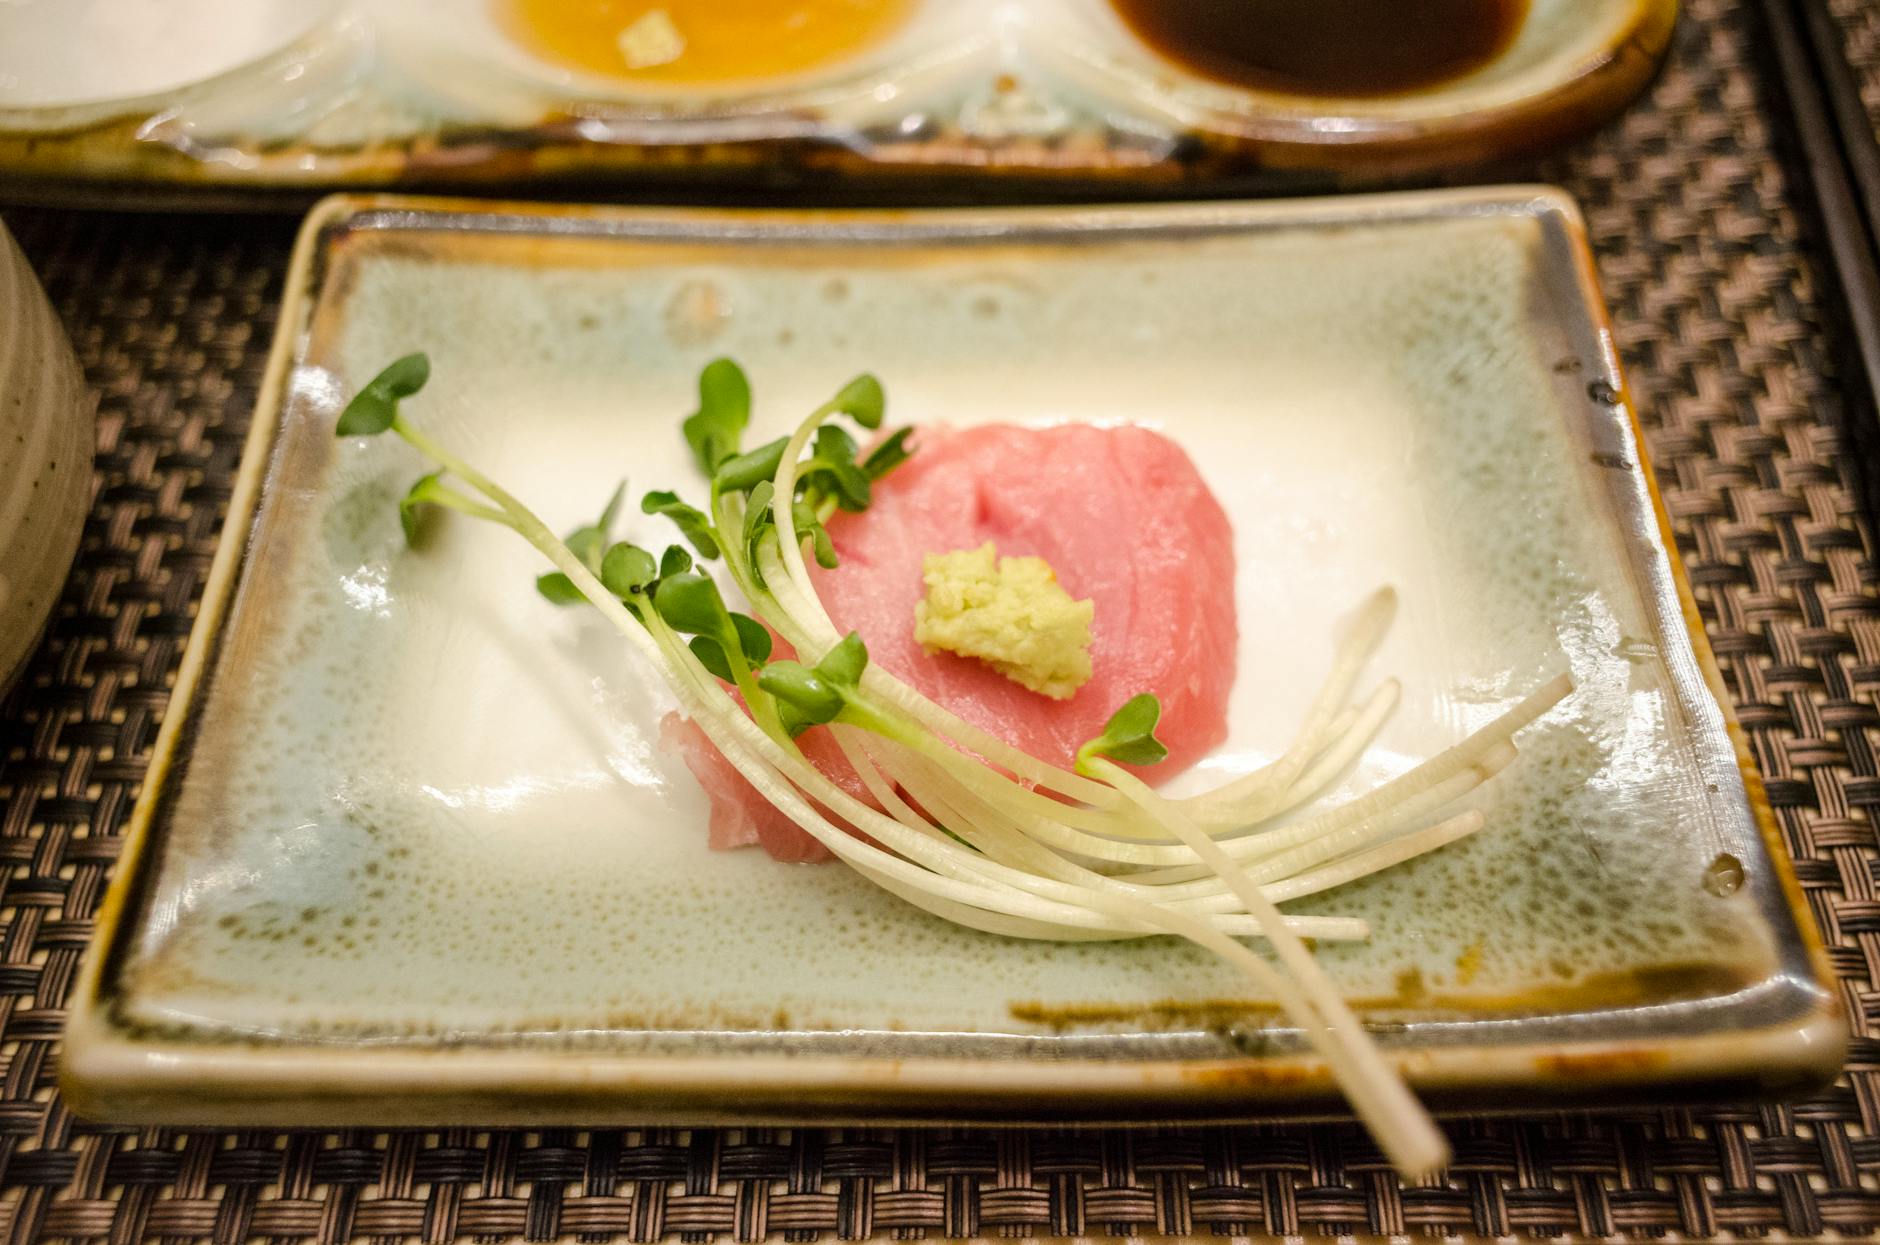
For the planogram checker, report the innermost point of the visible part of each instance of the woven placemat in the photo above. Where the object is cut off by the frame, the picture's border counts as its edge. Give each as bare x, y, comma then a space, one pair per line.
1719, 307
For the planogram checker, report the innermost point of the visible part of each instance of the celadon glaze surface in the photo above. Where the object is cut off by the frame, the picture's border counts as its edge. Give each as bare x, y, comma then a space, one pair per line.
414, 804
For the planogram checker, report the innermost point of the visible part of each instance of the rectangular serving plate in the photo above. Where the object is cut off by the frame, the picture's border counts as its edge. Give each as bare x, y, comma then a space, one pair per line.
409, 851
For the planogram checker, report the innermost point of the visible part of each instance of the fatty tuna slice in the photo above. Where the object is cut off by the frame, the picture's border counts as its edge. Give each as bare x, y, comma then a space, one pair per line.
1125, 520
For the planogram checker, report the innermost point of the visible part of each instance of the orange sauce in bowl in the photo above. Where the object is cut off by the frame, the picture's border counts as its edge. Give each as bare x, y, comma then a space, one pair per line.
1327, 47
698, 42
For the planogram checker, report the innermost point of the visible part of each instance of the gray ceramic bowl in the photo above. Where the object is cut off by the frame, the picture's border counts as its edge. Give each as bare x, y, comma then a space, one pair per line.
45, 467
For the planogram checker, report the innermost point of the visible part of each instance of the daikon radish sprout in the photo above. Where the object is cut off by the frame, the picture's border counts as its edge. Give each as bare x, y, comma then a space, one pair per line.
962, 824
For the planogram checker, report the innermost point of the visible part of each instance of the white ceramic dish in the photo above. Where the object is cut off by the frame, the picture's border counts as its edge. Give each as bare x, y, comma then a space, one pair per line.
411, 850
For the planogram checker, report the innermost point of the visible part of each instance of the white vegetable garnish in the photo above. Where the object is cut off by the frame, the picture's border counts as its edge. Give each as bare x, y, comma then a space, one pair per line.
972, 842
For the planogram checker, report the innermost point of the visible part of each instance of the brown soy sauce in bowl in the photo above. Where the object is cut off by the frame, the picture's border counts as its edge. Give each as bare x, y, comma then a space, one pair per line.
1327, 47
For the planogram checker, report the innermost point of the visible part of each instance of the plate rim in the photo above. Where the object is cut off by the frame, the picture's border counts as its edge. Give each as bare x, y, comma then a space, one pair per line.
110, 1072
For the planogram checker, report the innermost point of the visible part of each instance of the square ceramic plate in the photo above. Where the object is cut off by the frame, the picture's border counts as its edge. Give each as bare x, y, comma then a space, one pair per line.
411, 851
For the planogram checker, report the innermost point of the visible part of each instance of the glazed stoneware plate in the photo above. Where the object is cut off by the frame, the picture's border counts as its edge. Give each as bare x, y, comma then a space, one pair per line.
45, 468
411, 849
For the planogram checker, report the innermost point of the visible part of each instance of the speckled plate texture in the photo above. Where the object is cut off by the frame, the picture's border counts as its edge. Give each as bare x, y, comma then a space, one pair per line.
415, 849
1720, 314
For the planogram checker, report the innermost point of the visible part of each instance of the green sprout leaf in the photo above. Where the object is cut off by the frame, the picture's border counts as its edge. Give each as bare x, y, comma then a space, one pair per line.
724, 410
417, 502
675, 561
848, 485
835, 445
1129, 736
753, 638
589, 545
746, 470
627, 568
842, 665
888, 455
757, 514
824, 548
832, 470
611, 510
791, 718
689, 602
759, 518
862, 401
373, 408
803, 691
808, 525
806, 697
711, 655
558, 589
691, 521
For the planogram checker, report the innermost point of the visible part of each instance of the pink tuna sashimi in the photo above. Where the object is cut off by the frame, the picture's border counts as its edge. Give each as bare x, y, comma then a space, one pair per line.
740, 817
1124, 519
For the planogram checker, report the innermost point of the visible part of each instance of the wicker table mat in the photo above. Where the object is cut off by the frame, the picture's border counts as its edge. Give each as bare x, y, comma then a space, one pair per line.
1717, 296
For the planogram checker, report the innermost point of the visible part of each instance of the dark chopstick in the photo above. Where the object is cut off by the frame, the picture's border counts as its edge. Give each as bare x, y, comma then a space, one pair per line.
1843, 169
